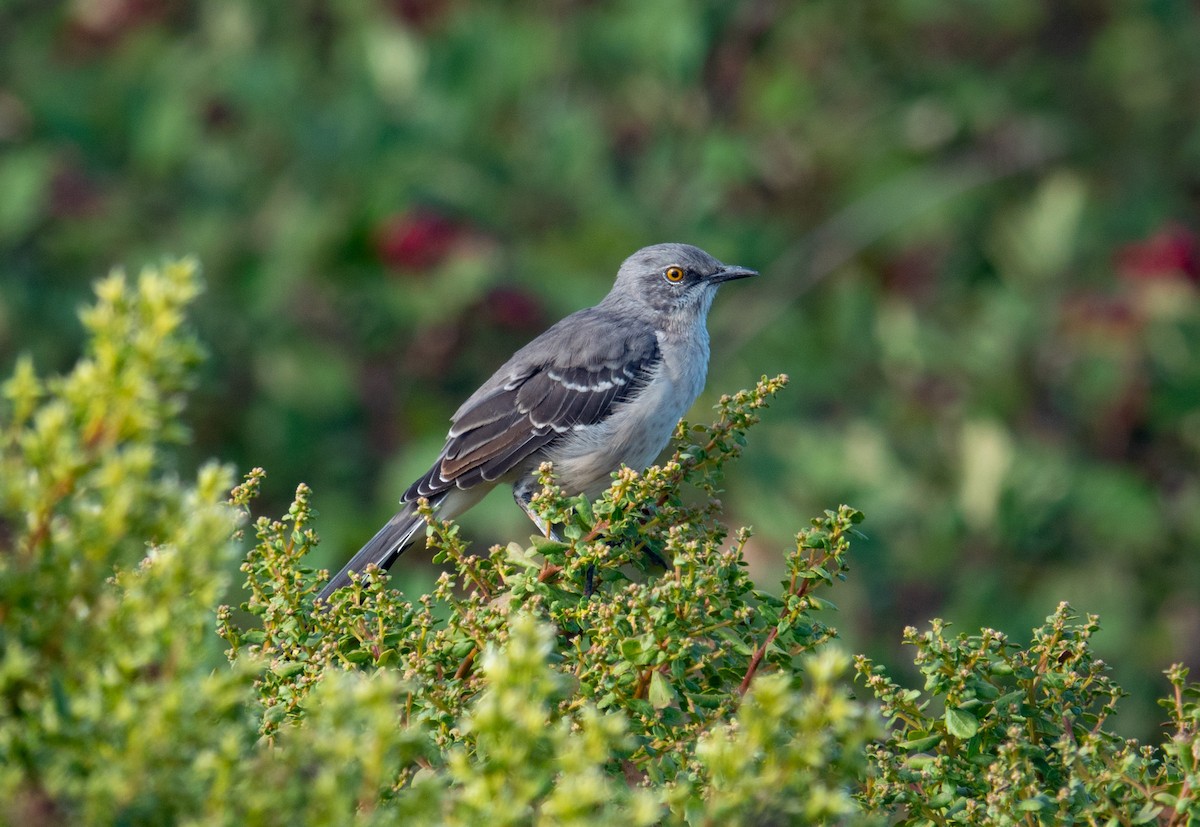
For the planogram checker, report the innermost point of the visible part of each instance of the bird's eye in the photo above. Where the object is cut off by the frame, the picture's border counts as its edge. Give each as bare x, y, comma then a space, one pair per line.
674, 274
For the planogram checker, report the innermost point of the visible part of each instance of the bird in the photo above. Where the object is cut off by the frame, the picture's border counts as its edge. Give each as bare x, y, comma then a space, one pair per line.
602, 388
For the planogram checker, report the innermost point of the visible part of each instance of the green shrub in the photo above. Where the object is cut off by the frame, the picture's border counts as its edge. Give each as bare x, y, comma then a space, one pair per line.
109, 570
628, 674
1009, 735
645, 666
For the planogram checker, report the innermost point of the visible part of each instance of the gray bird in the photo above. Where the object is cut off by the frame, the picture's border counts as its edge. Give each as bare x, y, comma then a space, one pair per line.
603, 387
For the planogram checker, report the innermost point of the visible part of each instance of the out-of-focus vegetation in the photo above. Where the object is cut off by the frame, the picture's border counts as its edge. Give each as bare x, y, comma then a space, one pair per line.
977, 225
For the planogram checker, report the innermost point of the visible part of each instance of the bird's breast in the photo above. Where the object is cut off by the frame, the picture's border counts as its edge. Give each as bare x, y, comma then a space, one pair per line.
639, 428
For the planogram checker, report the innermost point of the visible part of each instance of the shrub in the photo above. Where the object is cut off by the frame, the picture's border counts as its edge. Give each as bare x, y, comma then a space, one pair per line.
649, 667
629, 673
1008, 735
509, 692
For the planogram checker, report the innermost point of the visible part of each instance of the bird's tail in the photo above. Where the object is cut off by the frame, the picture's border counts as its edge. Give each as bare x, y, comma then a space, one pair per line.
382, 549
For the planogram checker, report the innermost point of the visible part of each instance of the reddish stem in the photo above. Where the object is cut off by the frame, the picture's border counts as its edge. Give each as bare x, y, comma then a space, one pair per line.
756, 660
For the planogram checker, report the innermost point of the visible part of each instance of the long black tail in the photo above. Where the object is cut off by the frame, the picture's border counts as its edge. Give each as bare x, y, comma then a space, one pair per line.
382, 549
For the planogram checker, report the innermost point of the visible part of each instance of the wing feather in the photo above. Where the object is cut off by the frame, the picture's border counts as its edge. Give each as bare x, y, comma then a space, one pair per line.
563, 380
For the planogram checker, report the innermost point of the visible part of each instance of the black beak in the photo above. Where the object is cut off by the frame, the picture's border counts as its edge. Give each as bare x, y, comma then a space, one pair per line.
731, 272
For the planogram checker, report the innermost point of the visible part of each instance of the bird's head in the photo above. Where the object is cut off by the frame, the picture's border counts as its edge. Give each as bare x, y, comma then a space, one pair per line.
673, 281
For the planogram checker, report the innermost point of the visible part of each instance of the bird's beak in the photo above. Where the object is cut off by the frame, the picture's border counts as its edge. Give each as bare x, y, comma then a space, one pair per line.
731, 272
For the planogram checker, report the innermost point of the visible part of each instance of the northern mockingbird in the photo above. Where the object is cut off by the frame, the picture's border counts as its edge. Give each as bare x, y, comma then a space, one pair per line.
603, 387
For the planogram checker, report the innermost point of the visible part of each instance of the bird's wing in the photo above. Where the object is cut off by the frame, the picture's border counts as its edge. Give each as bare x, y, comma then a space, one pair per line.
570, 377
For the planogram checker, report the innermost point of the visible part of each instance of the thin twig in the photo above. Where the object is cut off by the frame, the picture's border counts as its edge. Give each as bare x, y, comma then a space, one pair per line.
756, 660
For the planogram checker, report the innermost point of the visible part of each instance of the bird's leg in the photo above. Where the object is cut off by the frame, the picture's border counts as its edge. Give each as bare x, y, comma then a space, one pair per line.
523, 494
655, 557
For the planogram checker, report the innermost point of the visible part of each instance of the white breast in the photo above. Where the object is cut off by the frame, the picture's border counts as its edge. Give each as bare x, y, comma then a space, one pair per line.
639, 428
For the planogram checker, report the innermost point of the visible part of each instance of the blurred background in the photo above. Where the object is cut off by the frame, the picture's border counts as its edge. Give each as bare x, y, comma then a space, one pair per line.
978, 225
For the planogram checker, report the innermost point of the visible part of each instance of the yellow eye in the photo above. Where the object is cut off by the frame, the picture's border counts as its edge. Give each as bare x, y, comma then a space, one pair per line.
674, 274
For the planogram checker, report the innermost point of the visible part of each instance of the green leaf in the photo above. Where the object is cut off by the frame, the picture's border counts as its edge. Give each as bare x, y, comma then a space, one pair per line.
661, 694
1035, 804
1148, 813
961, 724
583, 513
631, 648
640, 707
920, 744
287, 669
1009, 698
522, 556
548, 545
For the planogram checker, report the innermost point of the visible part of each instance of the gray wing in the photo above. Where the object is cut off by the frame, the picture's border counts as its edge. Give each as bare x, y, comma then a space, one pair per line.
571, 376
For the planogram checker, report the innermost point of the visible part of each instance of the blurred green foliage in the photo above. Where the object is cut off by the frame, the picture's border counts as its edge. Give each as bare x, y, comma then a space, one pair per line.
978, 225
